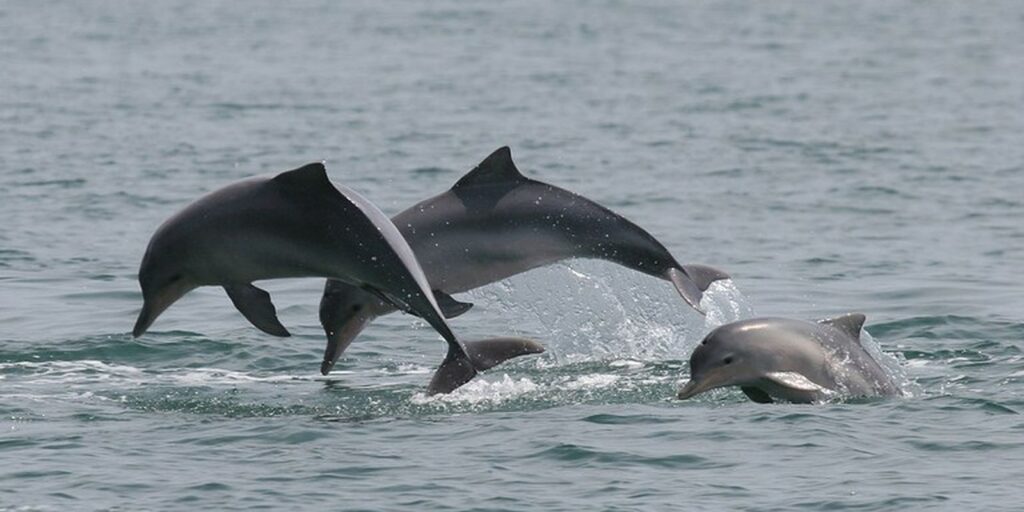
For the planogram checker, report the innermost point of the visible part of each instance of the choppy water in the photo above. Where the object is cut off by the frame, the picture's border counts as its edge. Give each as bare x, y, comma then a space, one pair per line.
832, 156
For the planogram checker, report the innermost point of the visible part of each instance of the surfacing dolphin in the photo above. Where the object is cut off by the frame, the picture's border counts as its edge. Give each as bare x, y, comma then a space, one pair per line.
791, 360
298, 224
496, 223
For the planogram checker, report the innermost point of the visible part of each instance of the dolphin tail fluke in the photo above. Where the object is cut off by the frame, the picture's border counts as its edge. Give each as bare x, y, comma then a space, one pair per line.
703, 275
460, 366
687, 288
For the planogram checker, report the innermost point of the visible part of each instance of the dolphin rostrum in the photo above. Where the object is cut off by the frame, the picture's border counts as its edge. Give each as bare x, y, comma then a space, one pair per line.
298, 224
791, 360
496, 223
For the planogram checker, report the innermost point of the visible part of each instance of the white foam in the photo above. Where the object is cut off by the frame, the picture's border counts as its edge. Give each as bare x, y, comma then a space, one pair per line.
480, 391
212, 376
591, 381
405, 369
627, 363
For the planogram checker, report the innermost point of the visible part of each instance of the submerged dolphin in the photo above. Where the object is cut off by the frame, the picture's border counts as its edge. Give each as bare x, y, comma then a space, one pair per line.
298, 224
792, 360
496, 223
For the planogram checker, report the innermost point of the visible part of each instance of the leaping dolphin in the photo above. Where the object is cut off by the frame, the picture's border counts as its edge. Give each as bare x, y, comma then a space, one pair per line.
496, 223
298, 224
792, 360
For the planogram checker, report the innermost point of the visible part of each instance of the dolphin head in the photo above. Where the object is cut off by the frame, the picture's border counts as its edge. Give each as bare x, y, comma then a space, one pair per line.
723, 358
766, 357
164, 279
344, 311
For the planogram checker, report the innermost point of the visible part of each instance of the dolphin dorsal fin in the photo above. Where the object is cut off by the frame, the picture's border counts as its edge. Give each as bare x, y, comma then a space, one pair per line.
850, 324
496, 168
309, 176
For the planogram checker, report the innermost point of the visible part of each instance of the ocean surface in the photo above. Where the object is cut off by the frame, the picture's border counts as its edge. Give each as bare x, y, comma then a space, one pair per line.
832, 156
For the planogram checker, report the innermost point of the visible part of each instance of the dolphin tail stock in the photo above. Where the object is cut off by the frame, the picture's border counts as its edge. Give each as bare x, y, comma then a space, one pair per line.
462, 364
687, 287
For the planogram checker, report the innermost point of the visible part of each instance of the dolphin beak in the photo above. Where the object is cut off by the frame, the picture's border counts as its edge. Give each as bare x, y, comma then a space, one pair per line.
145, 319
338, 339
153, 306
150, 310
693, 388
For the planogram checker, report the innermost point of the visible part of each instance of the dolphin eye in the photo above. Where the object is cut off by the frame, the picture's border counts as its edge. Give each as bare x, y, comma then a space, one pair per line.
727, 360
356, 308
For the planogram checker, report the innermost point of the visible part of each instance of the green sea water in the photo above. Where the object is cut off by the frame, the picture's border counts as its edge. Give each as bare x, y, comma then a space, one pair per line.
832, 156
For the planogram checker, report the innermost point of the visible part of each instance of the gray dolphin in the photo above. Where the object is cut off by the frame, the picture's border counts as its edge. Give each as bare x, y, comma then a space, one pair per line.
792, 360
298, 224
495, 223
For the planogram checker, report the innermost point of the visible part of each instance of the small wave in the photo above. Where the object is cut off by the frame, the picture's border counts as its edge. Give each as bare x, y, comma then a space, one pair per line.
90, 372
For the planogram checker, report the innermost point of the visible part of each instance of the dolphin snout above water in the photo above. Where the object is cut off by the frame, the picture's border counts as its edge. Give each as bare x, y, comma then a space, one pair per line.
298, 224
783, 359
495, 223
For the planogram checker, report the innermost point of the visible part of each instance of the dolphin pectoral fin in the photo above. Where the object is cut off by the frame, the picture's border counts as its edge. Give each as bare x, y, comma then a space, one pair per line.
450, 307
703, 275
687, 288
255, 305
756, 395
459, 367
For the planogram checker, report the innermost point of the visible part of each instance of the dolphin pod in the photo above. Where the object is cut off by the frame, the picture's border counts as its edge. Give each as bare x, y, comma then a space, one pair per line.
298, 224
495, 223
792, 360
492, 224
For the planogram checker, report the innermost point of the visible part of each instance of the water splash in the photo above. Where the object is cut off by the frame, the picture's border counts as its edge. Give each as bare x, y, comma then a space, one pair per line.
591, 310
892, 364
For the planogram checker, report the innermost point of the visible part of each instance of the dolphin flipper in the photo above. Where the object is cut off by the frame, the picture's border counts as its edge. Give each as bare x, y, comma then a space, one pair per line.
756, 395
255, 305
459, 367
687, 288
450, 307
